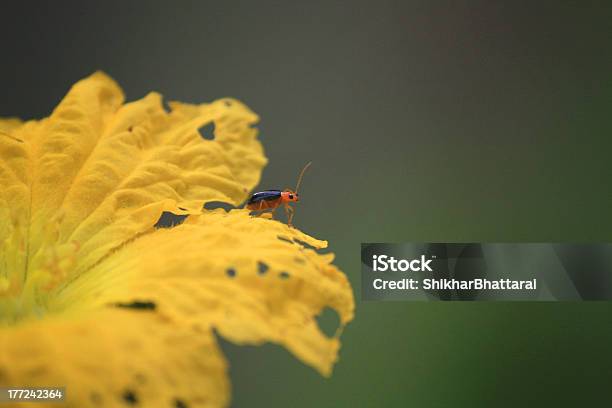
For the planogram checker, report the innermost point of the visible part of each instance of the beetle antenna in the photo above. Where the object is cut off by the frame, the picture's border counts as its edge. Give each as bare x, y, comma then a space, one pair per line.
301, 175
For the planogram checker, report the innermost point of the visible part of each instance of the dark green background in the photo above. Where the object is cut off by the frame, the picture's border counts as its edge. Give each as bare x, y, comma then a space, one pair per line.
426, 121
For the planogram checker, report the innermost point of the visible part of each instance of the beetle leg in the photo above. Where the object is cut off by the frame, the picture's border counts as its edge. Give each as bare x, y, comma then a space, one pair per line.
289, 210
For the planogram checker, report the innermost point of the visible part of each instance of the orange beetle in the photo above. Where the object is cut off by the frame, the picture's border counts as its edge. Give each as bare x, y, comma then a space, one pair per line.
272, 199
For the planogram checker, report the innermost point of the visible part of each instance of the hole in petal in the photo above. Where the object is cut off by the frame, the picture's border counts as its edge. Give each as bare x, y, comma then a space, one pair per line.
130, 397
284, 275
180, 403
227, 102
166, 106
208, 131
231, 272
328, 321
138, 305
213, 205
262, 268
169, 220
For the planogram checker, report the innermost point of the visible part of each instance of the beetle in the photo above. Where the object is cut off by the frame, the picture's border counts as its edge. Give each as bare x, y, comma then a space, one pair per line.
272, 199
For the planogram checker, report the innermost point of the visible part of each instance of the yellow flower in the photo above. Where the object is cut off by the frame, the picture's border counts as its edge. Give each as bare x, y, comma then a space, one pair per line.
95, 298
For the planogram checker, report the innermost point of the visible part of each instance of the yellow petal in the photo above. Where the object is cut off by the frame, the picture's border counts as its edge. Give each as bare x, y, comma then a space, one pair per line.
94, 298
209, 272
182, 284
97, 173
8, 124
115, 355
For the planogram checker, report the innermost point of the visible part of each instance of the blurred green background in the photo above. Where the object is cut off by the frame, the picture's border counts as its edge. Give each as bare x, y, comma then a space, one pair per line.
425, 121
